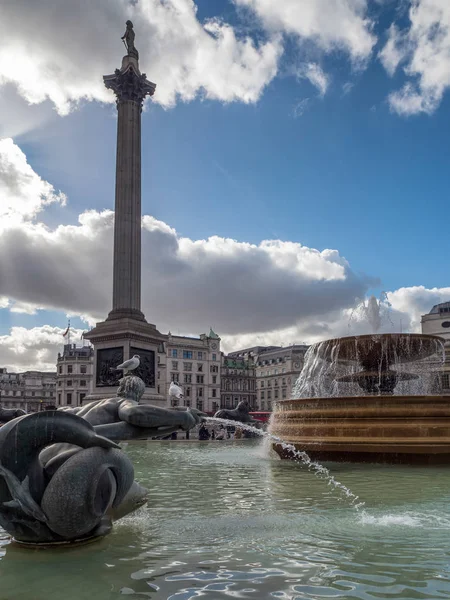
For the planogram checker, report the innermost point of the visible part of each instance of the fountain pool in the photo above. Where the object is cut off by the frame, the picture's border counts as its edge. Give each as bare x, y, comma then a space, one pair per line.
225, 521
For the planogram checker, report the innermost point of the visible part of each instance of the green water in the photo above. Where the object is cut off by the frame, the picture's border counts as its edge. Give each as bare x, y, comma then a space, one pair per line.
225, 522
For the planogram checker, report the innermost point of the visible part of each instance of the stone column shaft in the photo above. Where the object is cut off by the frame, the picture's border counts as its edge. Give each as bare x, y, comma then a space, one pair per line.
130, 87
127, 225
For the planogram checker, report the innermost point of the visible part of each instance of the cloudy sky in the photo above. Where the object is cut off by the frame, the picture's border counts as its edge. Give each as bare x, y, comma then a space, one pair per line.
295, 161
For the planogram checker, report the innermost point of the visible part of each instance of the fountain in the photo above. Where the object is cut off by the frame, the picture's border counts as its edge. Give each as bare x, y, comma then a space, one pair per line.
369, 398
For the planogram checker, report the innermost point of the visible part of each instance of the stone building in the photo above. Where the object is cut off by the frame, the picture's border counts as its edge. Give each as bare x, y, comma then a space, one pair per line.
74, 369
437, 322
277, 369
31, 390
238, 380
193, 363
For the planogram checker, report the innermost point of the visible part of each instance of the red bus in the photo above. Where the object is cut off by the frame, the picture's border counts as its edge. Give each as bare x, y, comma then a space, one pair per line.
262, 416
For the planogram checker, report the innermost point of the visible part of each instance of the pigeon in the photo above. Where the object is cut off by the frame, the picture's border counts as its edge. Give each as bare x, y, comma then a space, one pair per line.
175, 391
129, 365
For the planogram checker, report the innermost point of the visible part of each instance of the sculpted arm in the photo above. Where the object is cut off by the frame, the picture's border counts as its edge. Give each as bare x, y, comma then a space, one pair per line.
145, 415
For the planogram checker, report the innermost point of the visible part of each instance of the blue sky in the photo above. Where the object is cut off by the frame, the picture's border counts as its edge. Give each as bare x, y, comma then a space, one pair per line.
337, 168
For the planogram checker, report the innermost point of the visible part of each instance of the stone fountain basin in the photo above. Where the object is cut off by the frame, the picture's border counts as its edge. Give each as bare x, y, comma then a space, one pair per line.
369, 349
377, 429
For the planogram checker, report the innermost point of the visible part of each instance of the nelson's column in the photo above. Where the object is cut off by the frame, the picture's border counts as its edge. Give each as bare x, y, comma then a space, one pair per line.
126, 331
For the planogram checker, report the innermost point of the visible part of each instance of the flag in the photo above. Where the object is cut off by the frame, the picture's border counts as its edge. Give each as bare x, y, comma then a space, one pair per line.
67, 330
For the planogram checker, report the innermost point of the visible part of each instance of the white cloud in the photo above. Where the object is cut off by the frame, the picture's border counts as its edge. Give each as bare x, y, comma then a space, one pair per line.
22, 192
36, 348
315, 75
416, 301
240, 288
61, 52
424, 48
330, 24
301, 107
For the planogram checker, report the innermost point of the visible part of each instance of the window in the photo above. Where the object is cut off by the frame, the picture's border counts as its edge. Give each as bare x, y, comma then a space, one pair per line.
263, 406
187, 391
82, 397
187, 366
59, 383
200, 392
276, 383
263, 395
175, 377
214, 393
446, 381
59, 399
269, 395
276, 371
215, 407
283, 393
187, 354
214, 369
276, 393
269, 383
187, 403
32, 393
174, 353
83, 369
200, 405
200, 378
69, 398
200, 355
284, 370
69, 369
159, 375
60, 369
200, 367
83, 382
214, 356
174, 401
175, 365
262, 383
187, 378
214, 379
69, 383
283, 381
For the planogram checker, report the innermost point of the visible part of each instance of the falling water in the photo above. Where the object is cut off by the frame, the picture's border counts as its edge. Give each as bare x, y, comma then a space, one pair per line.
415, 358
301, 456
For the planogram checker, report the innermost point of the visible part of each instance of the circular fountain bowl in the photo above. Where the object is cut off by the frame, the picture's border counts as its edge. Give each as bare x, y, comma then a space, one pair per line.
389, 348
375, 428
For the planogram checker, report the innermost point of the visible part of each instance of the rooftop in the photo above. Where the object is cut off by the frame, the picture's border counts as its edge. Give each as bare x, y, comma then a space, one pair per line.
443, 307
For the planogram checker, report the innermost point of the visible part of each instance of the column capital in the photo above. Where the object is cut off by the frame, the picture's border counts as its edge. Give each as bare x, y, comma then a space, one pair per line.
129, 84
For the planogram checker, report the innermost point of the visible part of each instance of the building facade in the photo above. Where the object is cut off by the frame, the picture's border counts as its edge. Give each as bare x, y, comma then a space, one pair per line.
238, 380
195, 365
277, 369
74, 372
437, 322
32, 390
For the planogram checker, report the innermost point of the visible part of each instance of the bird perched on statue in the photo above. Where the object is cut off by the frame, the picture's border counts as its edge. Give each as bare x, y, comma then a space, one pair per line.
175, 391
129, 365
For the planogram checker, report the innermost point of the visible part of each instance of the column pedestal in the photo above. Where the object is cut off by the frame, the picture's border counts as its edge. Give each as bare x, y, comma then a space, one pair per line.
117, 340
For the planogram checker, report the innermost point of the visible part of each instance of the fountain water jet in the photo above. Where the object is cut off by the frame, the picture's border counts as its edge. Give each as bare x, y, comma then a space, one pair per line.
298, 455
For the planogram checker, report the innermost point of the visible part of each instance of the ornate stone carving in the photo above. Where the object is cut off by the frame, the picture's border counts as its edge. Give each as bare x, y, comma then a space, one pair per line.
129, 85
107, 361
146, 369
